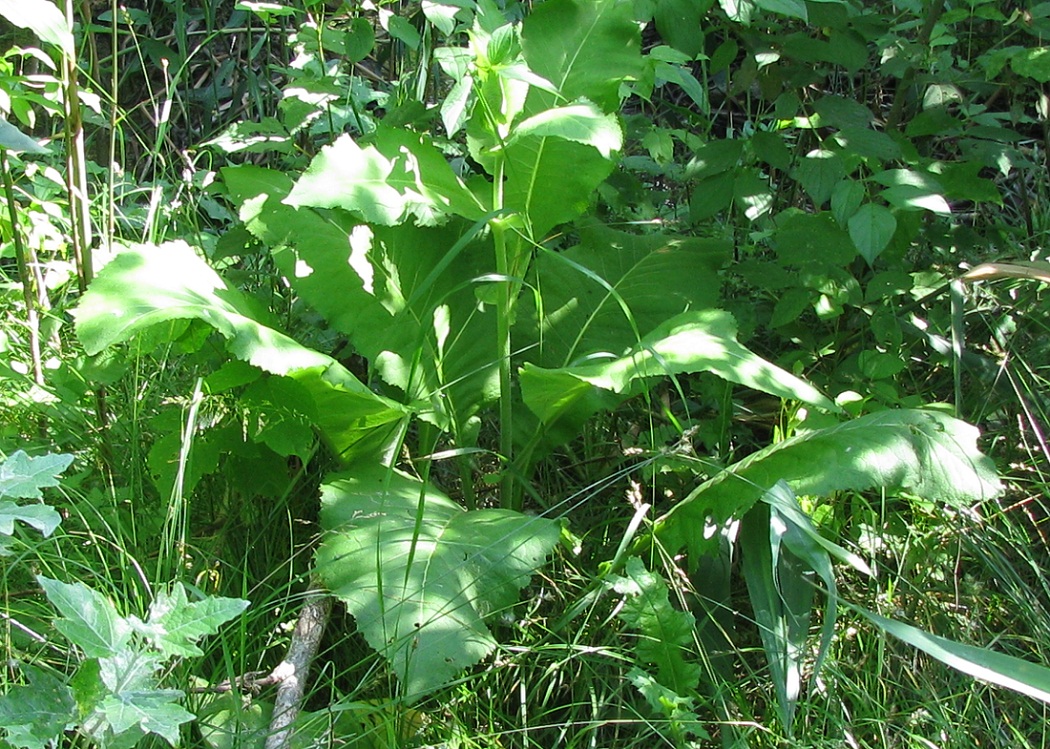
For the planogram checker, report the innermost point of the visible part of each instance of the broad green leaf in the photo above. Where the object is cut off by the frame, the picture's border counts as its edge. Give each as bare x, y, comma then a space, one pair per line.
871, 228
420, 574
146, 284
679, 24
598, 295
14, 139
1025, 677
153, 711
400, 174
586, 48
818, 173
790, 8
581, 122
43, 18
925, 453
915, 198
89, 619
22, 476
665, 633
381, 287
45, 519
37, 714
846, 199
551, 181
175, 625
700, 341
1032, 62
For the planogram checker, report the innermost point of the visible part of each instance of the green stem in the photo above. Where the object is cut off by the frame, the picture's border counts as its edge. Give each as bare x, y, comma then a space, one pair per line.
28, 295
508, 498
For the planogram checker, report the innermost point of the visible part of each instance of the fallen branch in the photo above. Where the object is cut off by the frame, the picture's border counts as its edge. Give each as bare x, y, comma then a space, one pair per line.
290, 674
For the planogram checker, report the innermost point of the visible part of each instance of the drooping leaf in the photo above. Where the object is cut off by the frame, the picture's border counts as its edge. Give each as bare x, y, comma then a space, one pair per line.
175, 624
43, 18
700, 341
45, 519
782, 600
871, 228
88, 619
22, 476
1025, 677
420, 574
781, 551
398, 175
596, 295
14, 139
581, 122
665, 633
925, 453
146, 284
381, 287
35, 715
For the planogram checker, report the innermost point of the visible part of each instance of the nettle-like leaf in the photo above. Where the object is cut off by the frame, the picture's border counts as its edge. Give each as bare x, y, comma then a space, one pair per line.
925, 453
175, 624
35, 715
88, 619
701, 341
383, 287
45, 519
149, 284
665, 633
22, 476
420, 574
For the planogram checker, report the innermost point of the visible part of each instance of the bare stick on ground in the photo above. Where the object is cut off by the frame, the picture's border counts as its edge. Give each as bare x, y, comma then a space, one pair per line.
291, 673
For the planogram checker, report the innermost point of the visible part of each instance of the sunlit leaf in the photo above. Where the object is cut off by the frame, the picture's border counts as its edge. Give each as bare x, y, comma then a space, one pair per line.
420, 574
22, 476
925, 453
149, 284
43, 18
88, 619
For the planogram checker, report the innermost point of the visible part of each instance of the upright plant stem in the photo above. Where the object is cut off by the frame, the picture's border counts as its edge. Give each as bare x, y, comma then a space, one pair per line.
504, 311
32, 319
76, 176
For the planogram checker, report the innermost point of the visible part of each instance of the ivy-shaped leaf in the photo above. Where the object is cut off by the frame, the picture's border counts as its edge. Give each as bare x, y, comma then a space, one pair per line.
22, 476
175, 624
420, 574
45, 519
89, 619
35, 715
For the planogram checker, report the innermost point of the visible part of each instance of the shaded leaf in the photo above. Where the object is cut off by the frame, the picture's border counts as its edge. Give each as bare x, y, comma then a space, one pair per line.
665, 633
36, 715
871, 228
598, 294
14, 139
420, 574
